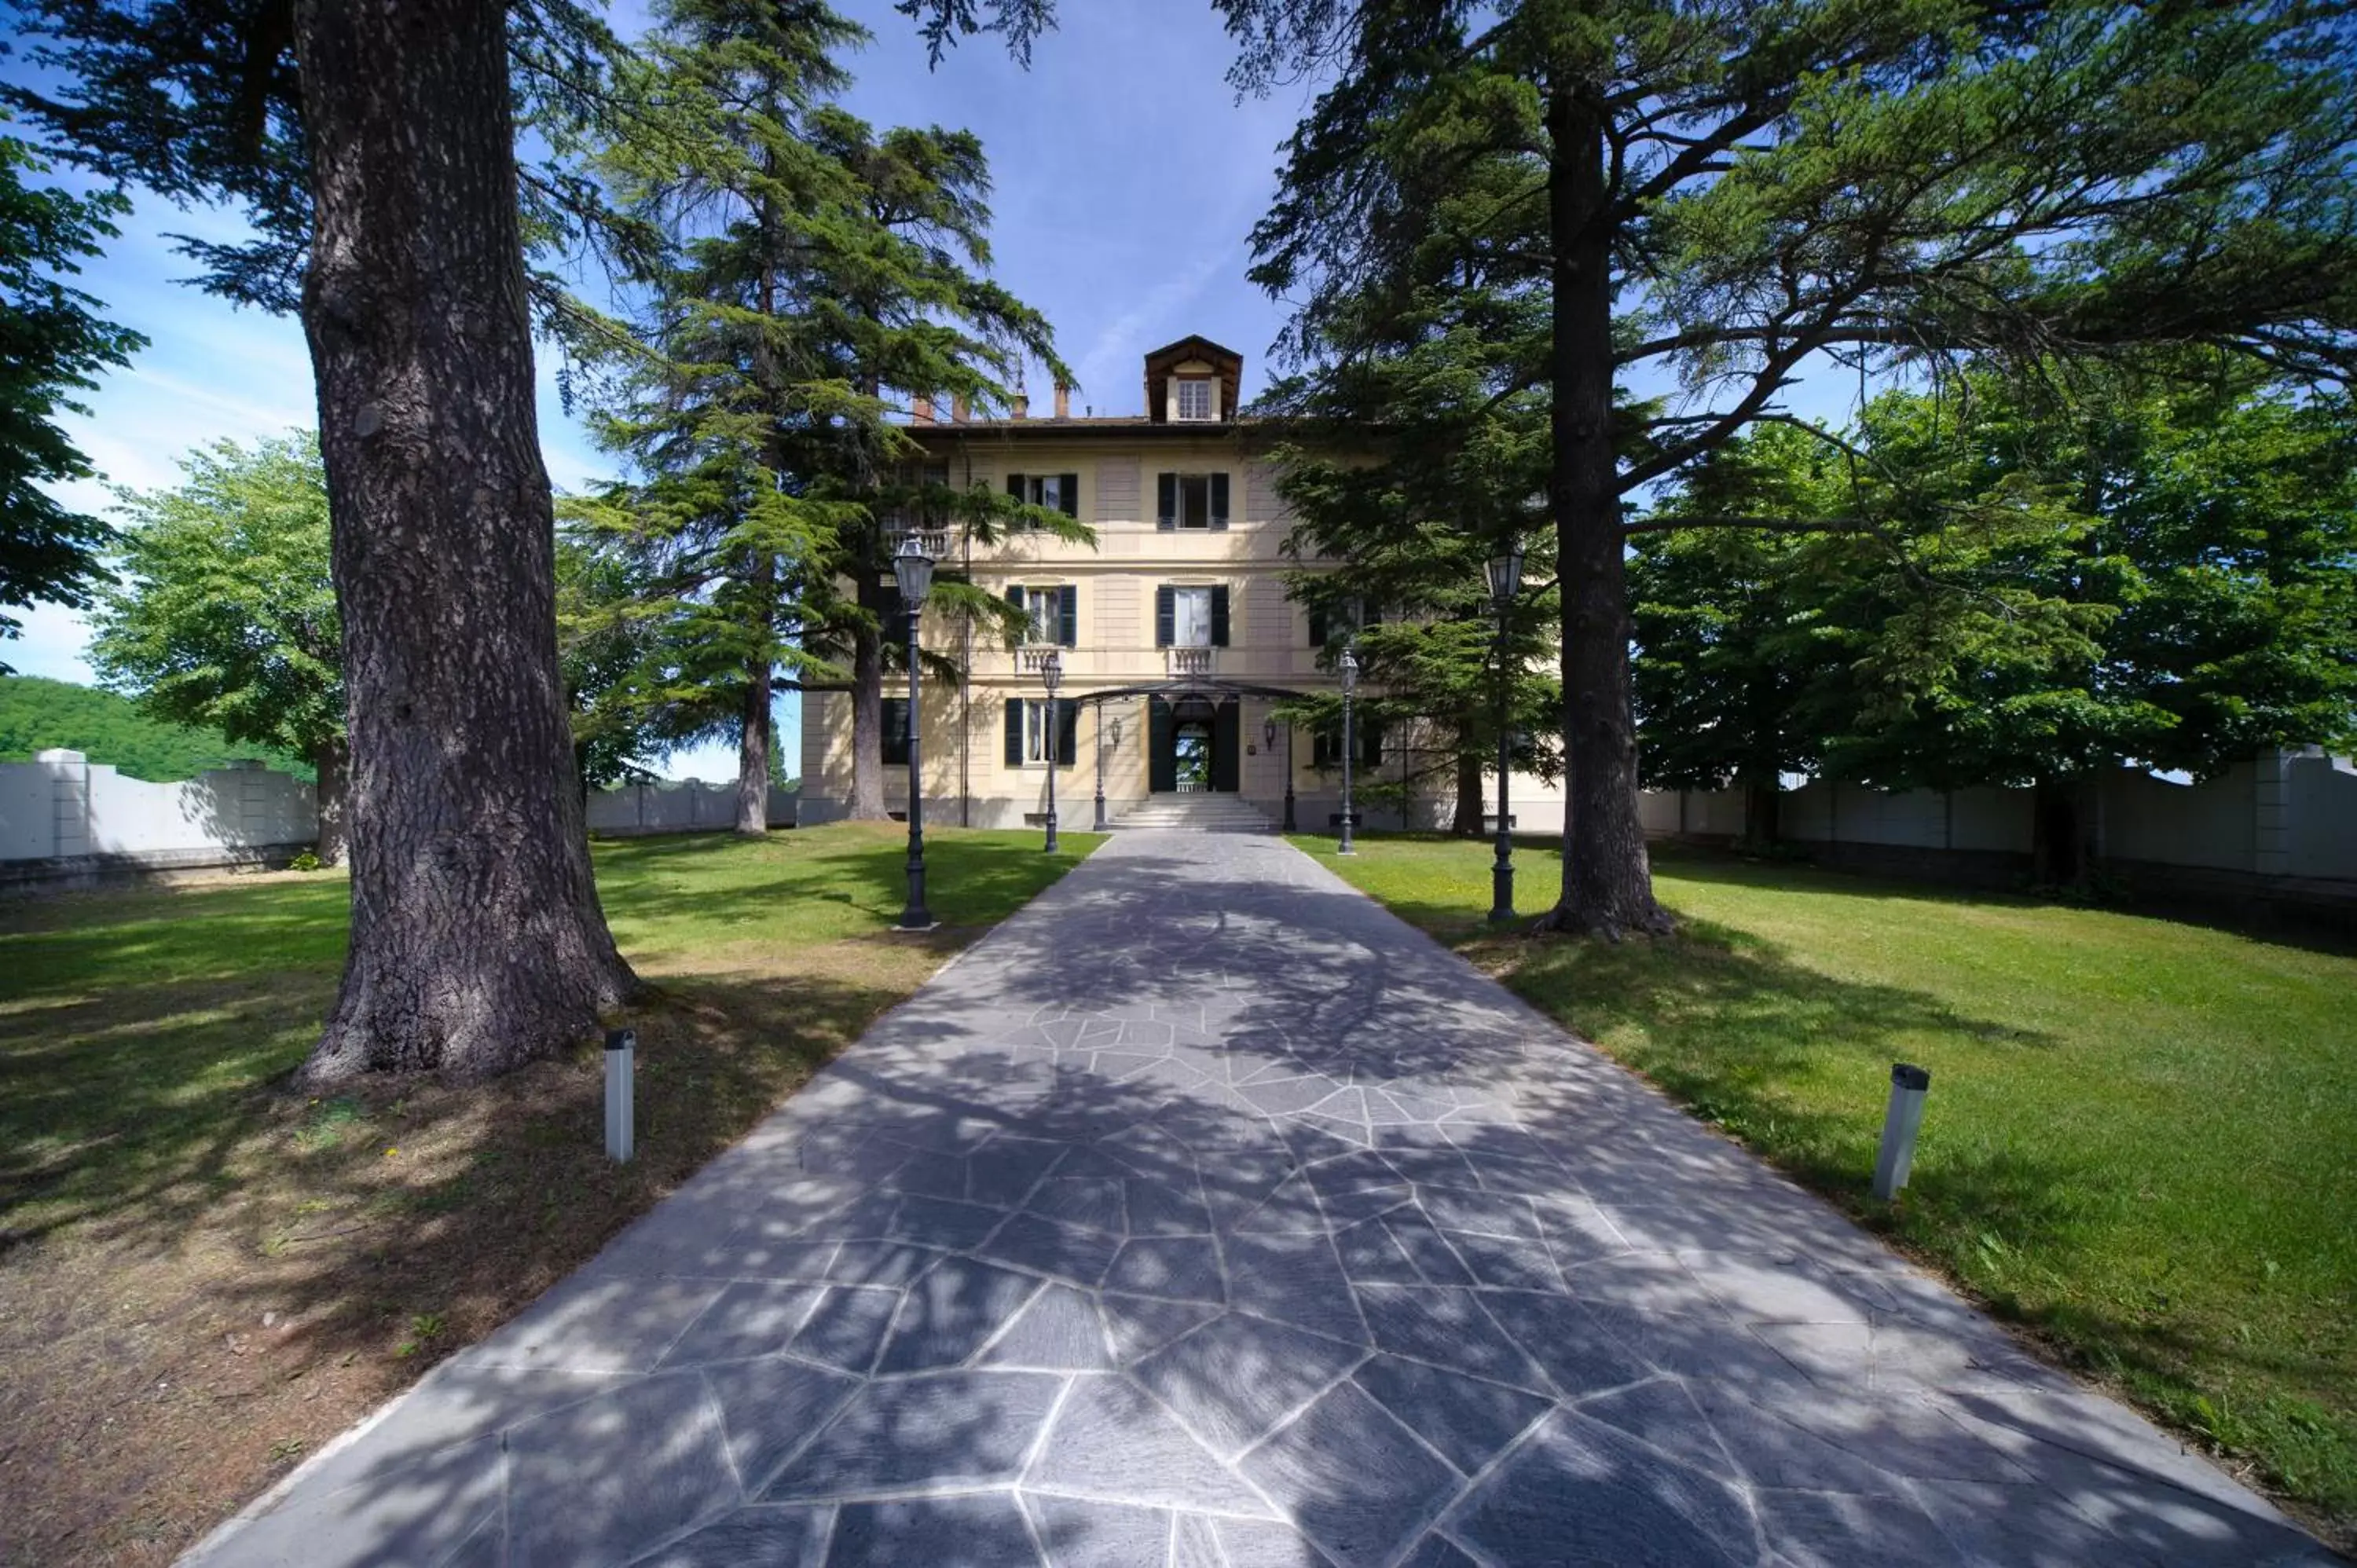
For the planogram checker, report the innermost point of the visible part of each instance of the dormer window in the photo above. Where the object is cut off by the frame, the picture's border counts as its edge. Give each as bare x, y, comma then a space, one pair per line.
1195, 397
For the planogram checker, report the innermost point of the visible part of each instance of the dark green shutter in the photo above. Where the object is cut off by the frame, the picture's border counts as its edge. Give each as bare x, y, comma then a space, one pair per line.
1161, 755
1015, 485
1069, 612
1165, 615
1219, 618
1218, 500
1069, 489
1014, 597
1166, 501
1317, 626
1227, 729
1068, 730
1371, 742
1014, 732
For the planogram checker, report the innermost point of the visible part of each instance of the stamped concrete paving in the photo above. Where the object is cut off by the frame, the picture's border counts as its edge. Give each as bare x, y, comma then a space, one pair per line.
1207, 1214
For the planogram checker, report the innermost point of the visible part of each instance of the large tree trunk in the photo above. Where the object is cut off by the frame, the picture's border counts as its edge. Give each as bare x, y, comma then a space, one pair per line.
332, 762
867, 708
1763, 798
1608, 882
753, 735
753, 752
477, 942
1469, 780
2054, 848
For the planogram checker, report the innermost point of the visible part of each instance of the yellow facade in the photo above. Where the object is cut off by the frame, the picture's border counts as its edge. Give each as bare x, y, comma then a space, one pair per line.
1116, 644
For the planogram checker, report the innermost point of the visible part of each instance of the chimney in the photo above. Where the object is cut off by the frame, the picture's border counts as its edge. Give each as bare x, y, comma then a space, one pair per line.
960, 410
1063, 400
922, 413
1022, 405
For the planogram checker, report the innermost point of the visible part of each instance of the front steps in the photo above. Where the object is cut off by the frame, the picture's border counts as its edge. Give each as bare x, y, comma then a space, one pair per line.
1205, 813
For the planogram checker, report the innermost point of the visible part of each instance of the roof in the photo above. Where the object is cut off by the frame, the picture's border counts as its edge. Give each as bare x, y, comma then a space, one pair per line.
1203, 348
1104, 426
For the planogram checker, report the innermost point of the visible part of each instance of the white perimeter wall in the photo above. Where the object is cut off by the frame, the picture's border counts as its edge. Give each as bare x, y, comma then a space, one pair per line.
2288, 813
64, 807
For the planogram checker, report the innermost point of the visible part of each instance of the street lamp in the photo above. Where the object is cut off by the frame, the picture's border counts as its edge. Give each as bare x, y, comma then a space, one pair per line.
912, 566
1051, 675
1101, 824
1350, 685
1268, 734
1505, 582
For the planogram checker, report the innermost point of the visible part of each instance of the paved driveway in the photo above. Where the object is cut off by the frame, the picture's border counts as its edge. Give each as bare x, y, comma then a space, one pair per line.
1207, 1214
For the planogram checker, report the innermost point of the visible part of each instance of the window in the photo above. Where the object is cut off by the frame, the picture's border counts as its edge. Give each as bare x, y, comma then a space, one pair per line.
1190, 500
1055, 614
1194, 397
1325, 625
1190, 617
1055, 493
895, 732
1027, 731
1326, 745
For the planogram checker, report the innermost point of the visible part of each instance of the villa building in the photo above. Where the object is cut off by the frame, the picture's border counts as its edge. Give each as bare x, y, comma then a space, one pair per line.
1174, 632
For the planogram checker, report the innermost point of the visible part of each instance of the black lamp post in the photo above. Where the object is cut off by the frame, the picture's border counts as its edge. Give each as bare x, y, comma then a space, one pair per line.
913, 567
1268, 735
1349, 686
1051, 675
1101, 824
1505, 582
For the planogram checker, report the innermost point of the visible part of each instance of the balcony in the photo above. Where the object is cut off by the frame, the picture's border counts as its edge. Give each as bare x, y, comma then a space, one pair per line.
1184, 664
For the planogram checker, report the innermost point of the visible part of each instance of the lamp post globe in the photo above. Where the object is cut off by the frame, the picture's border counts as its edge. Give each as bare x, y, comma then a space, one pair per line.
1506, 582
912, 570
1051, 676
1350, 668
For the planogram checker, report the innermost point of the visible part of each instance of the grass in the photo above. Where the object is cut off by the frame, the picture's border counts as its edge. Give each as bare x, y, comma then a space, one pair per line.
2141, 1140
204, 1276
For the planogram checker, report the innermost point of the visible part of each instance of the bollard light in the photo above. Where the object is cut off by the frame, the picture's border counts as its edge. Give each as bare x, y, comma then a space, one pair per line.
621, 1069
1901, 1120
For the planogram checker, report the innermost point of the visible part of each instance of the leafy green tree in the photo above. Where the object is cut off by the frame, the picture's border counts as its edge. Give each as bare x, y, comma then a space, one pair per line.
1735, 644
1718, 195
51, 345
373, 148
2004, 586
2156, 575
37, 714
225, 615
605, 641
802, 267
1410, 470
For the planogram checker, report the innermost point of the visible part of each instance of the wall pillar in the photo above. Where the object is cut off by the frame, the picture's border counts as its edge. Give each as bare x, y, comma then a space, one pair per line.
2271, 813
69, 801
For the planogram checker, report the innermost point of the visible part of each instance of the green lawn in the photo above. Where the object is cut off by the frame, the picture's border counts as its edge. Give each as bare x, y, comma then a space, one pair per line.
203, 1276
2141, 1139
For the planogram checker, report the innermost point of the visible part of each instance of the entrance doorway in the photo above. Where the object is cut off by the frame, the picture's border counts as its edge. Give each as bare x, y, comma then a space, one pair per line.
1192, 746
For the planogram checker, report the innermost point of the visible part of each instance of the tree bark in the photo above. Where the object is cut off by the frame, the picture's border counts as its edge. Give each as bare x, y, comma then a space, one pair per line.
476, 940
754, 722
868, 707
1470, 794
753, 753
1608, 883
332, 762
1763, 811
2054, 834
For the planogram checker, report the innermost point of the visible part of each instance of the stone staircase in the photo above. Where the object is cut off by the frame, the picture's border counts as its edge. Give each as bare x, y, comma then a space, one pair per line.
1204, 813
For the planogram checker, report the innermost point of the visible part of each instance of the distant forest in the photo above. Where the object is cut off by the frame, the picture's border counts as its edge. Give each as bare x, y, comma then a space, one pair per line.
37, 714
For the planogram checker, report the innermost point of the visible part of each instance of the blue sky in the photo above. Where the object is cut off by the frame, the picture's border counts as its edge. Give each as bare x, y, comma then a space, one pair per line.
1127, 179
